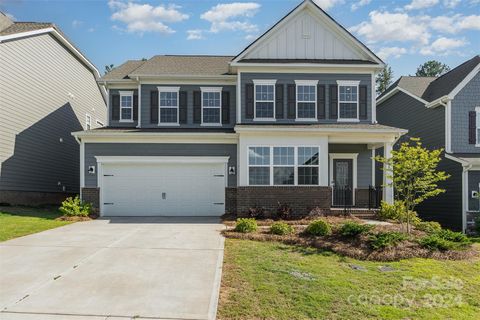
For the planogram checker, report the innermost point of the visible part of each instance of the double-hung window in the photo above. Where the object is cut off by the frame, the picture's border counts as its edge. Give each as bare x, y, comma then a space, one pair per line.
88, 122
283, 165
477, 110
211, 106
348, 100
126, 106
306, 100
264, 99
168, 105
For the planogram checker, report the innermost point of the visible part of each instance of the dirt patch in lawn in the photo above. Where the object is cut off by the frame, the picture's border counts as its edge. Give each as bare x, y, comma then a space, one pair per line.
77, 218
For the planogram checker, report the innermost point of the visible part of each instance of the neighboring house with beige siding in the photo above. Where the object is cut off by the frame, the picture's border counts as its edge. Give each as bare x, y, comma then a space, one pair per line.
48, 89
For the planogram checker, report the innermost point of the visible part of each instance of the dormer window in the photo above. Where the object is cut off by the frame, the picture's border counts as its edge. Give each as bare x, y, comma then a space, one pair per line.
264, 99
348, 100
306, 100
126, 106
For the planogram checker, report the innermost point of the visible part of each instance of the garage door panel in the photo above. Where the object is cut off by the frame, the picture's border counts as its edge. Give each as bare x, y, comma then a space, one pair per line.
164, 189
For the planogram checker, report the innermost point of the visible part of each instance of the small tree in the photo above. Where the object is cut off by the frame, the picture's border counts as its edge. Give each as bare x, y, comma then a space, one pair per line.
412, 170
432, 68
384, 79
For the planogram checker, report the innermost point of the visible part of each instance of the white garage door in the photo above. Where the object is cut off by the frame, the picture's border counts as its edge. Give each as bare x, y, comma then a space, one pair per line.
163, 189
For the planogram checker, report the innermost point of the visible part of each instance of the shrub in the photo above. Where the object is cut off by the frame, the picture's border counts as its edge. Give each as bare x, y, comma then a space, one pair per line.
318, 228
256, 212
386, 239
388, 211
399, 213
246, 225
445, 240
75, 207
281, 228
428, 226
453, 236
353, 229
284, 211
477, 225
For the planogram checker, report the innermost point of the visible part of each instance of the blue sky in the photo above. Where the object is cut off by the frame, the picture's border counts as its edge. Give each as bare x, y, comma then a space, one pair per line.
404, 33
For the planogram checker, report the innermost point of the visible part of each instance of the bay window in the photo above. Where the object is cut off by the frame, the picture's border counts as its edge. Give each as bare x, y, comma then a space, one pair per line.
306, 100
168, 105
264, 99
126, 106
211, 106
348, 100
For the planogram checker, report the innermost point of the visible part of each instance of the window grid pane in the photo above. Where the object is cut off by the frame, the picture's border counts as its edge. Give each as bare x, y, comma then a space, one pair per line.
348, 94
126, 113
264, 101
284, 175
306, 110
168, 115
308, 175
348, 110
259, 176
283, 156
306, 93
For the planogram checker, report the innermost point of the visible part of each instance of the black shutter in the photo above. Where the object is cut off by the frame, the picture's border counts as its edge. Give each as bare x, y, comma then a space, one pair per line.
333, 101
225, 107
249, 101
291, 102
154, 106
116, 107
362, 100
321, 101
472, 127
135, 107
182, 107
279, 101
197, 107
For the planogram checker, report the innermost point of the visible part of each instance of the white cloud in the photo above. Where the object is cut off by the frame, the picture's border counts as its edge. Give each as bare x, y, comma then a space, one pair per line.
442, 46
195, 34
359, 4
390, 27
76, 23
232, 16
327, 4
421, 4
91, 29
386, 52
454, 24
251, 37
451, 3
140, 18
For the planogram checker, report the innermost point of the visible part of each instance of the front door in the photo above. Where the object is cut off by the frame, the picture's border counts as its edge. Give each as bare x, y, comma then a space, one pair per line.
342, 182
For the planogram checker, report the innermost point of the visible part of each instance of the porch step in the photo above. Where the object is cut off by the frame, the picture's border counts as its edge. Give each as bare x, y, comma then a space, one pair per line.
361, 213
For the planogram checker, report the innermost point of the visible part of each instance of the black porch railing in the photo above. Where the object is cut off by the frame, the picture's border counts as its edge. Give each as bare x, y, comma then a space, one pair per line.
342, 197
375, 195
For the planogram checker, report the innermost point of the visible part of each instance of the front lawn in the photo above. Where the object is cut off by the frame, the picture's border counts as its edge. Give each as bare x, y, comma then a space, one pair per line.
20, 221
269, 280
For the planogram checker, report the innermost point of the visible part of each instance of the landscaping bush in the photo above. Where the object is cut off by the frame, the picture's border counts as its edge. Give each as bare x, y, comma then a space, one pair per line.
383, 240
388, 211
281, 228
318, 228
428, 226
284, 211
353, 229
477, 225
399, 213
75, 207
246, 225
256, 212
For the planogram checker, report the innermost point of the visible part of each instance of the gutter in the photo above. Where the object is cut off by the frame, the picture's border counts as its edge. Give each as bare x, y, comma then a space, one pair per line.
440, 101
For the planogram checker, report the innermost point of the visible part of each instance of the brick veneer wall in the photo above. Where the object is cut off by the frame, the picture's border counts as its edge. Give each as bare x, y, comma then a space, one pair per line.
92, 195
230, 200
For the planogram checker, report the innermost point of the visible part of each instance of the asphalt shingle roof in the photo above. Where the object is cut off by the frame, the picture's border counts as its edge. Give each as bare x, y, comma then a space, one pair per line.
122, 71
18, 27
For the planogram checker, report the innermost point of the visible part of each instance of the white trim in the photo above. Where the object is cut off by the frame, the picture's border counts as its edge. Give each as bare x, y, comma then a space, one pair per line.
239, 98
464, 82
350, 83
464, 198
373, 167
438, 102
126, 94
215, 90
82, 165
448, 127
341, 156
159, 159
109, 112
169, 89
343, 83
293, 128
373, 97
397, 89
305, 83
477, 126
267, 82
139, 106
88, 121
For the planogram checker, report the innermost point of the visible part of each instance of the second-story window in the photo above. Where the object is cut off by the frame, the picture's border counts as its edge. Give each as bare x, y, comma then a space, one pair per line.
126, 106
168, 105
264, 99
211, 106
348, 100
306, 100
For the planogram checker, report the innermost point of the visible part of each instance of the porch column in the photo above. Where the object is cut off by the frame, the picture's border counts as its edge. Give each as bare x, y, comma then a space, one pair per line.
387, 188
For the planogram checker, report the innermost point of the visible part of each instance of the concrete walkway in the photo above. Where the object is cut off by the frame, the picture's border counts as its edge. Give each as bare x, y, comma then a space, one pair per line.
119, 268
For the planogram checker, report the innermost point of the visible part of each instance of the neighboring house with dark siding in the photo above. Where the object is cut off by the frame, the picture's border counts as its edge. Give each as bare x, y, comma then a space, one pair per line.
291, 120
443, 112
48, 89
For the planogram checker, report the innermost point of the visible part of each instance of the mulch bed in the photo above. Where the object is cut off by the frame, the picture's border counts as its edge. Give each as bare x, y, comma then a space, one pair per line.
77, 218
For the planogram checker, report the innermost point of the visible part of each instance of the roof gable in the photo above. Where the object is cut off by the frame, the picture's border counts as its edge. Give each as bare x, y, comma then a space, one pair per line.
307, 33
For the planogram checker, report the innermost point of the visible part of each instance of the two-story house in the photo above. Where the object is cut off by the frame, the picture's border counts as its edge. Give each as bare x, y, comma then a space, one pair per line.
289, 120
443, 112
48, 89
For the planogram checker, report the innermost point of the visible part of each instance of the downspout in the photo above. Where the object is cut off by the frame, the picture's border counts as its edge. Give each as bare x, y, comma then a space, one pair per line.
139, 102
465, 171
82, 164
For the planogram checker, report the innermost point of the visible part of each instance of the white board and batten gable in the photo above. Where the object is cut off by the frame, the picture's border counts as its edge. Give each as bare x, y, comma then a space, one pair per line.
307, 33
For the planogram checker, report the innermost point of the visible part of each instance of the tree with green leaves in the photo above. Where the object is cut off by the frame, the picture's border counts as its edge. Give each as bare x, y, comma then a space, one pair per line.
109, 68
384, 79
432, 68
412, 170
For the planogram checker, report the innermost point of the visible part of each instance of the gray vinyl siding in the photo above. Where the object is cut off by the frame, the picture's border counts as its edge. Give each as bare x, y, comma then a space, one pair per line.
46, 93
145, 102
156, 149
473, 185
117, 123
289, 78
465, 101
364, 162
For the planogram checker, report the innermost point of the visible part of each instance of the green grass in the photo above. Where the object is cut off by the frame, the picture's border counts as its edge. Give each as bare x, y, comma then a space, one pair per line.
258, 284
20, 221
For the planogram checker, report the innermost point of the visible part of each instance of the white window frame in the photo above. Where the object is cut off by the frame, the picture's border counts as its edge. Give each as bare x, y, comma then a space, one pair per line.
88, 122
269, 82
271, 165
168, 89
126, 94
211, 89
100, 123
311, 83
477, 126
343, 83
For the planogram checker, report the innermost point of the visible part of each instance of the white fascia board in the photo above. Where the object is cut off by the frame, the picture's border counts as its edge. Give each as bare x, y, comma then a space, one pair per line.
438, 102
464, 82
467, 163
398, 89
160, 159
306, 65
316, 129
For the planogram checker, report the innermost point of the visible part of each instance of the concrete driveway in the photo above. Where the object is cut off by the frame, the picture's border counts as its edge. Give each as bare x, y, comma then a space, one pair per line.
160, 268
